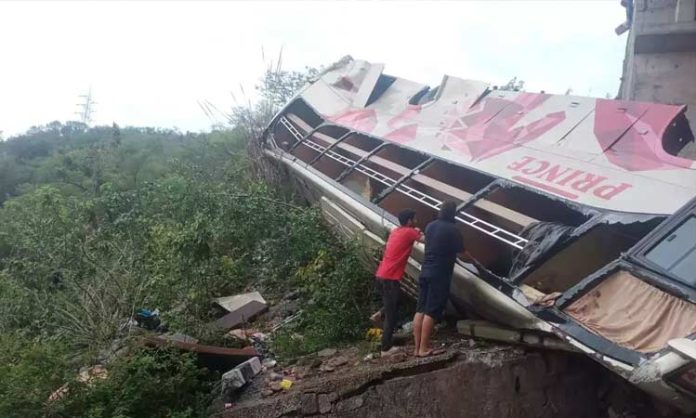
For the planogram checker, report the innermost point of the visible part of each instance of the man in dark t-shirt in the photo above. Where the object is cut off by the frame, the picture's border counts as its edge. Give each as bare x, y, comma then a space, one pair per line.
443, 242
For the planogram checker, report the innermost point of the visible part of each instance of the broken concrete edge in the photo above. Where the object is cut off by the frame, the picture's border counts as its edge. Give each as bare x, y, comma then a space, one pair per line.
239, 377
327, 352
493, 332
334, 390
514, 382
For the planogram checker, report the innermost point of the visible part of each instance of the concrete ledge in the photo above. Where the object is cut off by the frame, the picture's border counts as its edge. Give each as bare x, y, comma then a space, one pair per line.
659, 42
490, 331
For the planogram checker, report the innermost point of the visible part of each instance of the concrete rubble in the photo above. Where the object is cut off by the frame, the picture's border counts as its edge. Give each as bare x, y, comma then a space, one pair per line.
238, 377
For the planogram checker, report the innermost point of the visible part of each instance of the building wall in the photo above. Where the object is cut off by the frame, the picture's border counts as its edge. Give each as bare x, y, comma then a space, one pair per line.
660, 63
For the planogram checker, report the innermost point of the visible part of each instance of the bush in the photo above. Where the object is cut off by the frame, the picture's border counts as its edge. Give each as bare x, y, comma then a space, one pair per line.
98, 222
339, 295
148, 384
29, 372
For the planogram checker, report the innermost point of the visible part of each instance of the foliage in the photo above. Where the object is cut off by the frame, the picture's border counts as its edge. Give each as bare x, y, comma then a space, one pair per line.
276, 88
97, 222
339, 294
513, 85
150, 383
279, 86
29, 373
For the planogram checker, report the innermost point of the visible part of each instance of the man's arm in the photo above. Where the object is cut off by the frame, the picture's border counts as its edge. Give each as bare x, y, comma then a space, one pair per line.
421, 235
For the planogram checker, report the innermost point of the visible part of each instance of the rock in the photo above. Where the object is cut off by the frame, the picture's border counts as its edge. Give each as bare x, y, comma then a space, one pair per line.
407, 327
326, 368
236, 378
369, 357
315, 363
275, 387
275, 377
397, 358
299, 372
327, 352
325, 402
350, 404
338, 361
309, 403
269, 363
267, 392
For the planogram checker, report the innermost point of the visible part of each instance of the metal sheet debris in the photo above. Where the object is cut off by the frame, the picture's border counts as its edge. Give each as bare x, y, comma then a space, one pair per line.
232, 303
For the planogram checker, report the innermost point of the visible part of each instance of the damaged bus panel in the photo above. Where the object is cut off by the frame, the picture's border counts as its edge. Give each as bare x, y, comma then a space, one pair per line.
579, 212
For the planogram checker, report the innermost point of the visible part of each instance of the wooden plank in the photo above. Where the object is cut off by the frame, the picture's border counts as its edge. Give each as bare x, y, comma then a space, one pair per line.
159, 341
442, 187
508, 214
213, 357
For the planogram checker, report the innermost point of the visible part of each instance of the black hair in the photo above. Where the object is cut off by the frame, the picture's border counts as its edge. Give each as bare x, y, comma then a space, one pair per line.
447, 211
405, 216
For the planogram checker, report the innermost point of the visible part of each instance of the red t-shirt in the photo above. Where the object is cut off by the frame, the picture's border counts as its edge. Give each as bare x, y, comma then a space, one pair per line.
396, 253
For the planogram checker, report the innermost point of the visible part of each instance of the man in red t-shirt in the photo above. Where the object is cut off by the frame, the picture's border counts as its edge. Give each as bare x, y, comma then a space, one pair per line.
391, 270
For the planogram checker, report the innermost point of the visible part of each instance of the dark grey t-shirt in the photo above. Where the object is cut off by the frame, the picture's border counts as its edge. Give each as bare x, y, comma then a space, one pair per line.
443, 242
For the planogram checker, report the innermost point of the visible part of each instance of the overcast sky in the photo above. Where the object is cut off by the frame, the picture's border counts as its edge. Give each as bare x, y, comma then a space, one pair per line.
148, 63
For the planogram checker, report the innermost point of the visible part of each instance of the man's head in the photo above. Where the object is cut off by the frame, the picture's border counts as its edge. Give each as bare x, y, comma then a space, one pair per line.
447, 211
407, 217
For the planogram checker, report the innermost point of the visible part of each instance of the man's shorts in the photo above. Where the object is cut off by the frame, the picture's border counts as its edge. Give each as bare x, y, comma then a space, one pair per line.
433, 295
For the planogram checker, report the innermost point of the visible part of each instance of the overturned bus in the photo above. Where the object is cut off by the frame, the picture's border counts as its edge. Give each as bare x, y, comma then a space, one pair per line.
578, 211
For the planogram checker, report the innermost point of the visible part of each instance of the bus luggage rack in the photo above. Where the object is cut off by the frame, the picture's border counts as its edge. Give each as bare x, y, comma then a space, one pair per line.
487, 228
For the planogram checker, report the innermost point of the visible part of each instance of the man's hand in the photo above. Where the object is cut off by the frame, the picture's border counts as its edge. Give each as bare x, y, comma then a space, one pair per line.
466, 256
421, 237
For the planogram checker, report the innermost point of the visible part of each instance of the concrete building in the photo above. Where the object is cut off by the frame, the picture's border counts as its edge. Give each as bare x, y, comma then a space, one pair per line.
660, 63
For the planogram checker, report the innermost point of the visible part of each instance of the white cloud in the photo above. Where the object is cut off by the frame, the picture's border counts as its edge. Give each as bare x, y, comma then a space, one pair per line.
148, 62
